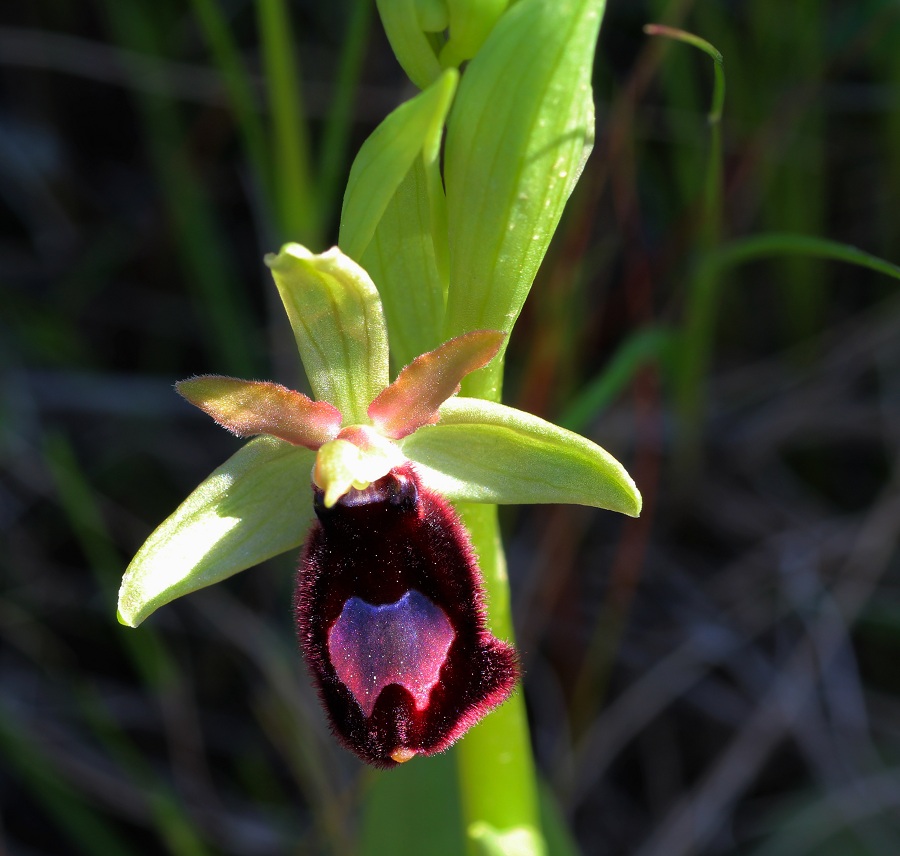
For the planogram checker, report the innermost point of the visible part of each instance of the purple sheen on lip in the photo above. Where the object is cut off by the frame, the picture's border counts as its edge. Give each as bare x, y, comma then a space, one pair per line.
404, 643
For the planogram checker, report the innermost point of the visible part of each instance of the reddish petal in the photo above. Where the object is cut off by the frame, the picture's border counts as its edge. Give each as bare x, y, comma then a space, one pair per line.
413, 399
248, 407
391, 619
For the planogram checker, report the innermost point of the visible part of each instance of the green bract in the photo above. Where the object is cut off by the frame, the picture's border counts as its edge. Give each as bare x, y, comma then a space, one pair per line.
259, 503
412, 27
393, 219
458, 250
430, 35
520, 130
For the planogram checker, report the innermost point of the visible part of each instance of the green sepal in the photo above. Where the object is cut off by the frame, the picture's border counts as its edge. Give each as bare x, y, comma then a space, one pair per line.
256, 505
338, 322
414, 129
518, 135
411, 27
481, 451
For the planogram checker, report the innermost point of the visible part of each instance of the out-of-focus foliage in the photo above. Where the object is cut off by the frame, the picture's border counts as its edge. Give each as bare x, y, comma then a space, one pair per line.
715, 677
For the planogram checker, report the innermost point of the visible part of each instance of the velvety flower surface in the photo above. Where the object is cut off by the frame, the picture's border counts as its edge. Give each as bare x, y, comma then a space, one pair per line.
391, 618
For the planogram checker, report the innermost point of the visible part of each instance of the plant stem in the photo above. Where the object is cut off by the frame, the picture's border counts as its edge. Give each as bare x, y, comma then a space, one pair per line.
497, 777
498, 784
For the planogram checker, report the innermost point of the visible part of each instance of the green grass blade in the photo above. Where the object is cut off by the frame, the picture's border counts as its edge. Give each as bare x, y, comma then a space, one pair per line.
204, 253
694, 353
769, 245
295, 194
642, 347
336, 136
240, 88
86, 830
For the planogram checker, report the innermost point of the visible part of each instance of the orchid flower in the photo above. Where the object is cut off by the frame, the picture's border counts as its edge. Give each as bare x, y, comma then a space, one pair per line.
390, 605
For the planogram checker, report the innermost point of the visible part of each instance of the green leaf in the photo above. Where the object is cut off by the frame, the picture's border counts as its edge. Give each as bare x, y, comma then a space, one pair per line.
470, 23
410, 30
336, 315
481, 451
414, 129
518, 135
407, 257
256, 505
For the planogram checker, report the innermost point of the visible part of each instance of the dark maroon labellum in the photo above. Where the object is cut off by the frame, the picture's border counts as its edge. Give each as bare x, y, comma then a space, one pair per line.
391, 618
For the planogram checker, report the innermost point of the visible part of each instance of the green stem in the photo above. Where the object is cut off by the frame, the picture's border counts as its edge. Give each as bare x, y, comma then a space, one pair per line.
196, 232
335, 138
498, 784
497, 778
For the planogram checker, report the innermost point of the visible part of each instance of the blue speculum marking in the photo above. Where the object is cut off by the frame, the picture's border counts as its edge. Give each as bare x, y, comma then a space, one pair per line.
405, 643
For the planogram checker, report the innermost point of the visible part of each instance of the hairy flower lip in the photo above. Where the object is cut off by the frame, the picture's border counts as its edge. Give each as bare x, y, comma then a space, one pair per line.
378, 545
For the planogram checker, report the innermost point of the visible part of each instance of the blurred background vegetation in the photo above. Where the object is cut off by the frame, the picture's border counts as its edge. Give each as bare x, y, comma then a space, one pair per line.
718, 677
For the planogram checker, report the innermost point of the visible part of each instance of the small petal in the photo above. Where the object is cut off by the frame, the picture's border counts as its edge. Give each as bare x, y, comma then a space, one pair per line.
428, 381
249, 407
486, 452
391, 618
256, 505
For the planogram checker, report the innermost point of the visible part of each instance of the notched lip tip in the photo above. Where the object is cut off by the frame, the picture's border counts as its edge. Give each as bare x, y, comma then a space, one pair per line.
401, 755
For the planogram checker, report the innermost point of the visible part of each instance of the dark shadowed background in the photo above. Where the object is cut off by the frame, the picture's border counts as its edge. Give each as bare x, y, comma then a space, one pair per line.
721, 676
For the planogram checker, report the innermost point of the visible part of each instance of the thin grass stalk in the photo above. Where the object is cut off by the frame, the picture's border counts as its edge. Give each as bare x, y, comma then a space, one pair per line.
794, 198
700, 306
65, 806
336, 136
295, 196
196, 232
240, 88
148, 655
